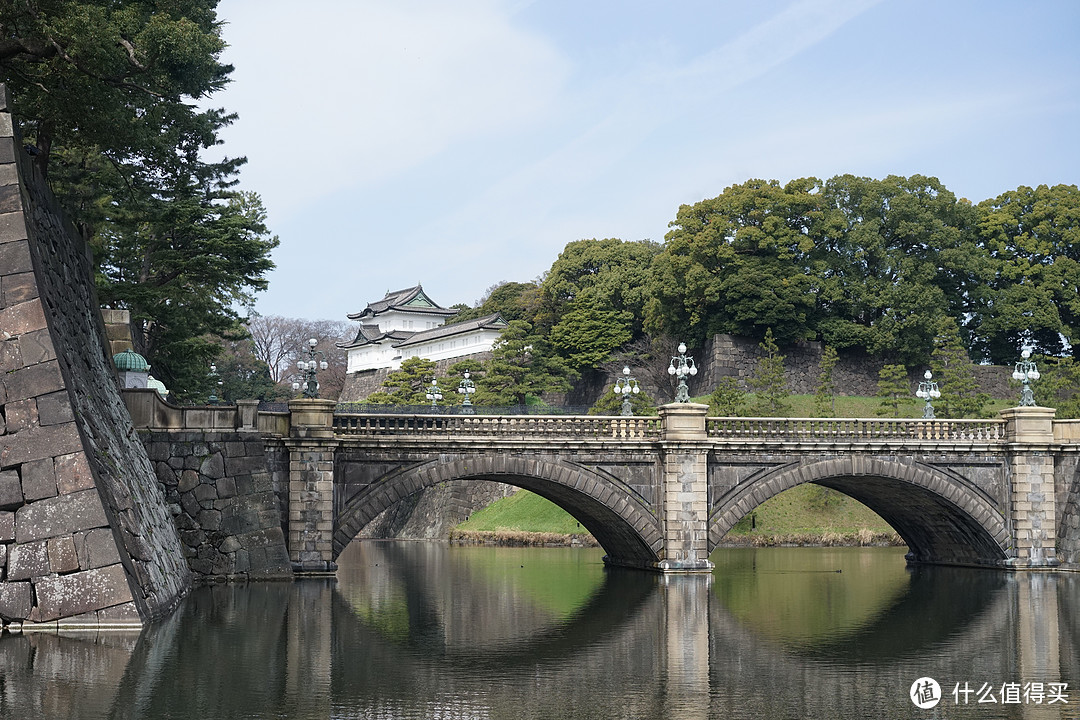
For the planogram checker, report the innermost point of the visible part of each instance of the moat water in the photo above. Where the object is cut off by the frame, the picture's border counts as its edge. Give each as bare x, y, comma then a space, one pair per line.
419, 630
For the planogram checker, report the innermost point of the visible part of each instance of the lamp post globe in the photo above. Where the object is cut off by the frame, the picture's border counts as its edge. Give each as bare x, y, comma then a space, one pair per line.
682, 367
928, 391
624, 386
1026, 372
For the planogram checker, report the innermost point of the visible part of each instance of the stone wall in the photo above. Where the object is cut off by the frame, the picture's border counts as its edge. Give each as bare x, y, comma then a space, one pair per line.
85, 535
433, 512
856, 373
222, 500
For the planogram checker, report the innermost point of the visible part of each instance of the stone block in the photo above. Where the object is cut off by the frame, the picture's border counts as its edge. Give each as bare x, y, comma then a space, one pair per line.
7, 526
226, 487
189, 480
82, 592
28, 560
12, 227
15, 259
10, 489
209, 519
33, 380
21, 415
39, 442
206, 494
36, 347
54, 409
73, 473
15, 600
18, 288
96, 548
62, 556
60, 515
38, 479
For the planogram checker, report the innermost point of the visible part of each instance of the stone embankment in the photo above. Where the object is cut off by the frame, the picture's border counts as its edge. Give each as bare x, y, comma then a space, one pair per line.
86, 538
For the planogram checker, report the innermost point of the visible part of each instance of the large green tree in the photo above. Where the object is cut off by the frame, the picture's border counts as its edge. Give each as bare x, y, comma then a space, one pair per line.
737, 264
594, 296
892, 257
1033, 236
111, 98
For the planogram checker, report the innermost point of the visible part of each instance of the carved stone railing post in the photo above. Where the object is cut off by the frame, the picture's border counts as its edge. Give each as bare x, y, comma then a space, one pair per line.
247, 412
1033, 508
311, 447
685, 489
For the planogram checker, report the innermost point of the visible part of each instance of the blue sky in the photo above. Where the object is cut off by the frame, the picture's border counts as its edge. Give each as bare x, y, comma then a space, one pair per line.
460, 144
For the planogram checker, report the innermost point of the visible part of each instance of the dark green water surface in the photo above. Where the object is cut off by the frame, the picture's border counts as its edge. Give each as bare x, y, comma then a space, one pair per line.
419, 630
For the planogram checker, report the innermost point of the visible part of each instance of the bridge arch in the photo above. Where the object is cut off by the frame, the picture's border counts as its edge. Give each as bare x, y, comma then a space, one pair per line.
943, 519
617, 516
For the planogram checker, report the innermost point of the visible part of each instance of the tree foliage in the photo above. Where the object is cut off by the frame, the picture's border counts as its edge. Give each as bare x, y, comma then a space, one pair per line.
1033, 238
736, 264
110, 97
1059, 386
894, 389
728, 399
955, 375
825, 391
408, 385
769, 381
522, 366
610, 403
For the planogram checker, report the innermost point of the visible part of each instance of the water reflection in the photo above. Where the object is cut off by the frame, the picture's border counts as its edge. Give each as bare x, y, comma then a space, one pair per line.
423, 630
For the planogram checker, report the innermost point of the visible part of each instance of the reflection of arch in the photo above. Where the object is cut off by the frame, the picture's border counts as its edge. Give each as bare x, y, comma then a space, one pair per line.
614, 513
942, 519
611, 609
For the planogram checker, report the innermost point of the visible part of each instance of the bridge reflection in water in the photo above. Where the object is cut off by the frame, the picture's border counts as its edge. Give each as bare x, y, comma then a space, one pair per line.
419, 630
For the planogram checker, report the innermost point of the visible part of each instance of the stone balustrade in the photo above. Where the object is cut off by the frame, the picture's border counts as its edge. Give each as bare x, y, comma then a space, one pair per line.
545, 427
854, 430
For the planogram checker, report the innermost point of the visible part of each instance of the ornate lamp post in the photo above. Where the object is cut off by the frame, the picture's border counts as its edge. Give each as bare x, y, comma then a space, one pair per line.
433, 393
928, 391
213, 399
624, 386
682, 366
309, 367
466, 388
1025, 372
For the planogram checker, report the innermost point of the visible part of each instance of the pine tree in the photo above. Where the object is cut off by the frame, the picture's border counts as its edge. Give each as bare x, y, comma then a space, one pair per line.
768, 382
955, 374
407, 385
825, 394
728, 399
894, 389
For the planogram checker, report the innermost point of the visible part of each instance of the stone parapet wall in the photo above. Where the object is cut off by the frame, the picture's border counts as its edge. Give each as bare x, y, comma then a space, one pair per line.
221, 496
86, 536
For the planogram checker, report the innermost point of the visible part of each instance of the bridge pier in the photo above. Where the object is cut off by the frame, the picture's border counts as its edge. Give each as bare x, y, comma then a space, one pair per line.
311, 446
1032, 502
685, 483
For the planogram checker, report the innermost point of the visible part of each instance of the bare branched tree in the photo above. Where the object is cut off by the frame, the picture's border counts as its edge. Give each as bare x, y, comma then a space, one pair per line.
280, 342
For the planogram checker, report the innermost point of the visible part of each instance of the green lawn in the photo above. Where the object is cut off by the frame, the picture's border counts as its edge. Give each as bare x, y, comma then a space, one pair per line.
523, 511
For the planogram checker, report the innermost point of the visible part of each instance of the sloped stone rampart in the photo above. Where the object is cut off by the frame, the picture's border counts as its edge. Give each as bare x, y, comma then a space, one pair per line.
85, 536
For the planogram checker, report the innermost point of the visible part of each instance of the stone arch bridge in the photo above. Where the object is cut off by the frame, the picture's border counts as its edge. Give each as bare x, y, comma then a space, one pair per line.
659, 493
